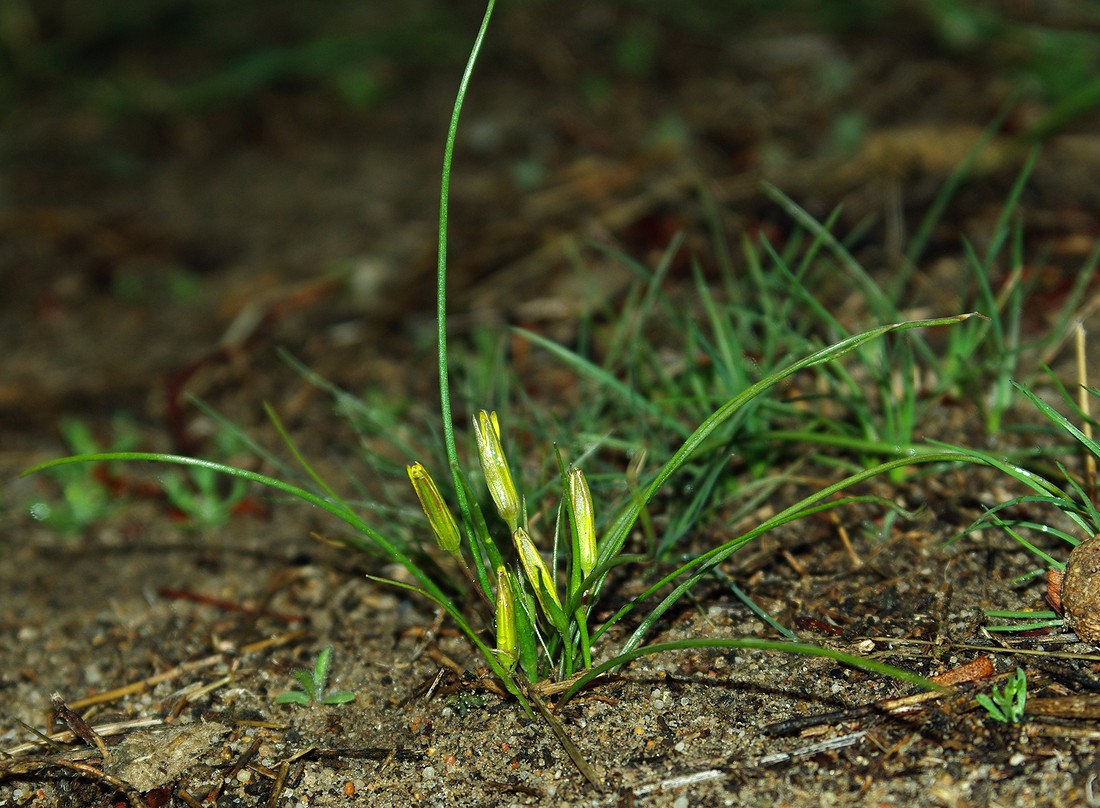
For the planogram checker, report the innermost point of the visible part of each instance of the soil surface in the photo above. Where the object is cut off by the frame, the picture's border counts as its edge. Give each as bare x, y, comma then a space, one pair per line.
171, 215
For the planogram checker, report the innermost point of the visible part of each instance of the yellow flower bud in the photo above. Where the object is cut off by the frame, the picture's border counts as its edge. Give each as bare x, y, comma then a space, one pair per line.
581, 498
494, 465
439, 516
507, 638
535, 568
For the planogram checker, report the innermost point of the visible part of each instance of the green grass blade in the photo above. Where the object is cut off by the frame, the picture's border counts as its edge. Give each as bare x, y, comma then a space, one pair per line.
935, 212
702, 564
350, 405
1010, 529
640, 315
441, 266
1032, 626
882, 305
797, 289
1070, 308
752, 644
602, 377
1008, 614
753, 606
482, 547
617, 534
338, 508
1060, 420
1001, 228
298, 456
244, 438
474, 637
1090, 513
1029, 478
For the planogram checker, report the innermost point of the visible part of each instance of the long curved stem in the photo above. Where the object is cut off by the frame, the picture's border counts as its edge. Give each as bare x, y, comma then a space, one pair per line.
441, 268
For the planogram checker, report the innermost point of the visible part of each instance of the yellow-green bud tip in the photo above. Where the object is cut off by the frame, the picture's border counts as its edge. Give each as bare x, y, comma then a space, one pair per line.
507, 637
535, 570
581, 499
494, 466
439, 516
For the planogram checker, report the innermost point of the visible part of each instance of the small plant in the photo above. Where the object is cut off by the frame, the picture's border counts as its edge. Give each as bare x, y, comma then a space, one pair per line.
538, 575
93, 492
463, 703
86, 491
1072, 498
1007, 705
313, 685
203, 495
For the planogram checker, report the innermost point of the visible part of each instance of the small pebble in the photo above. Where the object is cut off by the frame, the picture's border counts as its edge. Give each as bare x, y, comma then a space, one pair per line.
1081, 590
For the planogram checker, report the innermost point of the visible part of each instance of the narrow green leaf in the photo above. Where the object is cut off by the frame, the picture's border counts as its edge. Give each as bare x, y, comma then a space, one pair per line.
305, 679
340, 697
621, 391
293, 697
320, 669
753, 644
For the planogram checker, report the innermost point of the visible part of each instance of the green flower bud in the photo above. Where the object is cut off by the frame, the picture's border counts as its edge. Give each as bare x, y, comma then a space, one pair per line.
507, 638
439, 516
581, 498
494, 466
535, 569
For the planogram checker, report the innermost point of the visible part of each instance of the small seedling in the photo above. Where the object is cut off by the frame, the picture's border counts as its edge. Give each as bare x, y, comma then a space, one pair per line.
86, 492
463, 703
313, 685
200, 496
1007, 706
543, 578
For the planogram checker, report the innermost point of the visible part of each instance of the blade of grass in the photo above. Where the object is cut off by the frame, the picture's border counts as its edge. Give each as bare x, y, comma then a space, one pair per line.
337, 507
441, 266
602, 377
751, 644
935, 212
616, 537
486, 651
702, 564
1059, 420
882, 305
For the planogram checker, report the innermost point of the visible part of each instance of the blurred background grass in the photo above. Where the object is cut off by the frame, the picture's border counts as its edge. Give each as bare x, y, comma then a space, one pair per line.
180, 56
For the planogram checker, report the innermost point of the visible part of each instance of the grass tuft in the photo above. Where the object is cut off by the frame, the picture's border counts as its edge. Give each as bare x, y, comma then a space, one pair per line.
538, 564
